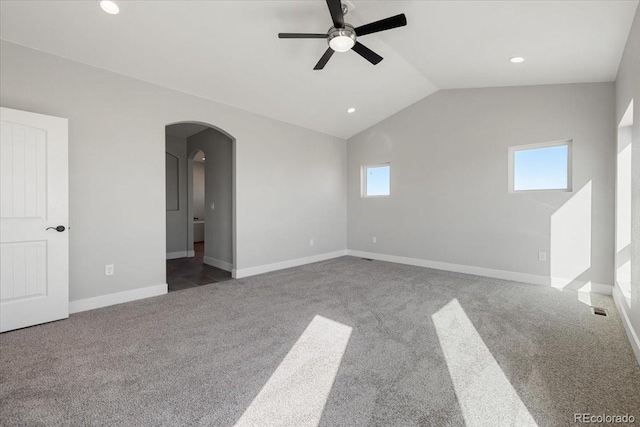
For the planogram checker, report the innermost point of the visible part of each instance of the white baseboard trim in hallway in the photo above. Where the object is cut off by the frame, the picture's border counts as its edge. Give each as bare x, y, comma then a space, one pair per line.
116, 298
222, 265
181, 254
252, 271
175, 255
619, 299
533, 279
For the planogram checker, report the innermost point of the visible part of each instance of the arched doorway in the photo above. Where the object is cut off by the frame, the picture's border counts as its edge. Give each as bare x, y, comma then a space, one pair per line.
200, 208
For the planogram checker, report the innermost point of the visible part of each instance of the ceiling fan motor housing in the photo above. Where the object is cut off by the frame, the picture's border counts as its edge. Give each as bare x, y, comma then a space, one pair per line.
341, 39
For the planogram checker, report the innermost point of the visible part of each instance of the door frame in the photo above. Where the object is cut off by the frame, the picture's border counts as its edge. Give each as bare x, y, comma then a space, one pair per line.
234, 222
190, 234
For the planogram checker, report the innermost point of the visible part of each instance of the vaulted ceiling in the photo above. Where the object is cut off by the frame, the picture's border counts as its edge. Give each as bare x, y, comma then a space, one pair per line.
228, 51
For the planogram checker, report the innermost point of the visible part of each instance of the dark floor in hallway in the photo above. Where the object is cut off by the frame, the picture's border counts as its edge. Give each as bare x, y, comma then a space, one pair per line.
184, 273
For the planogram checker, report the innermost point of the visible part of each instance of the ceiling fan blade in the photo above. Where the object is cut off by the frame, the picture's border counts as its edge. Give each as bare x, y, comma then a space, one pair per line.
323, 61
335, 9
381, 25
367, 53
301, 36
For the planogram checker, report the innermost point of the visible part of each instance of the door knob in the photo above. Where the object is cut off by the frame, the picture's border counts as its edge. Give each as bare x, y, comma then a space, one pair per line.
59, 228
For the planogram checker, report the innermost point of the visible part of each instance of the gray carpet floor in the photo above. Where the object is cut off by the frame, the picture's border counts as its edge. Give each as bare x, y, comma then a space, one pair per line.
426, 348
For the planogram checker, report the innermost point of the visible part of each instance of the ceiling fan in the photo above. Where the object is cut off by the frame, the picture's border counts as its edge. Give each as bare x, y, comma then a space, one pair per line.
343, 36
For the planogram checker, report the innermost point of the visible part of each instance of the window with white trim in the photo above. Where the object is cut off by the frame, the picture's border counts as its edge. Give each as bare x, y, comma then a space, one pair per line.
540, 167
376, 180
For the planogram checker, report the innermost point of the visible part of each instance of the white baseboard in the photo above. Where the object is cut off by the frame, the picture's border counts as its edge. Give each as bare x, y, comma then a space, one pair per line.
217, 263
479, 271
116, 298
252, 271
622, 307
179, 254
581, 286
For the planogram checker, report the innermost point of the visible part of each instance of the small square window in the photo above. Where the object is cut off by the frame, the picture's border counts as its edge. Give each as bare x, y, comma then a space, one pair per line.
540, 167
376, 180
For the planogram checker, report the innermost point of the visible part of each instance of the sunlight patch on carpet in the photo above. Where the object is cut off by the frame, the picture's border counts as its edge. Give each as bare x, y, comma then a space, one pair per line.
298, 390
485, 395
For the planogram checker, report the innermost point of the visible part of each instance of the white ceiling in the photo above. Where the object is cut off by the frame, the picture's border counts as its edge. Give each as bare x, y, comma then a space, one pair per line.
228, 51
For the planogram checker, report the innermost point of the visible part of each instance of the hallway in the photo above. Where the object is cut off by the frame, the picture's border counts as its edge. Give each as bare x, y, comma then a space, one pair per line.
184, 273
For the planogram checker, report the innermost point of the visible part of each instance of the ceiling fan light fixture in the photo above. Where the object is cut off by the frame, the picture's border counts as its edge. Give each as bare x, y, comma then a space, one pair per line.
342, 39
109, 7
341, 43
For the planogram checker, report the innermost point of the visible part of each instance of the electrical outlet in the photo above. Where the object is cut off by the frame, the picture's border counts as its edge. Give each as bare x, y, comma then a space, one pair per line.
109, 270
542, 256
375, 240
311, 242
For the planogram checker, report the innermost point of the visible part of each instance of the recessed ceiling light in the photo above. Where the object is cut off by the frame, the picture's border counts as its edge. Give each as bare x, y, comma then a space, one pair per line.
517, 59
109, 7
351, 110
203, 158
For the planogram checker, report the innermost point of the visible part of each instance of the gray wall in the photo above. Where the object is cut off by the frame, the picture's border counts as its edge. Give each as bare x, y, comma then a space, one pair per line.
449, 200
218, 167
290, 181
198, 189
627, 89
172, 183
176, 220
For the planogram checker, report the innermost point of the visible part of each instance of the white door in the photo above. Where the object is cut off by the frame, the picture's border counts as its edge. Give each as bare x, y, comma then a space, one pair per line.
34, 194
